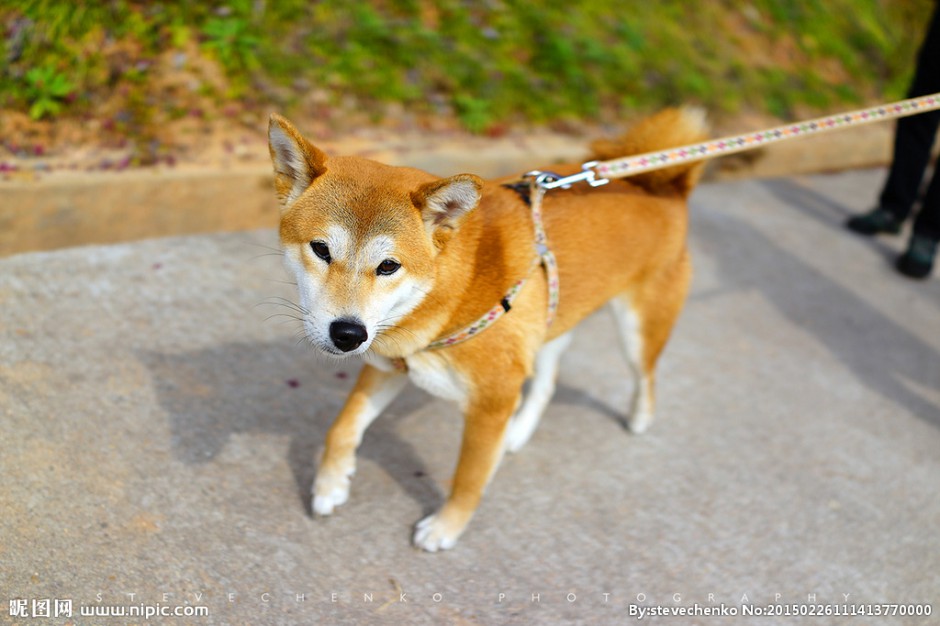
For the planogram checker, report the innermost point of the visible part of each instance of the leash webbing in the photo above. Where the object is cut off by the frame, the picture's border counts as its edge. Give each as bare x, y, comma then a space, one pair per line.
600, 172
728, 145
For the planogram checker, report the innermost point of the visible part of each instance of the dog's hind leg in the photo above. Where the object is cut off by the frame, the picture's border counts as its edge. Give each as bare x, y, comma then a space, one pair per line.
644, 320
524, 422
629, 326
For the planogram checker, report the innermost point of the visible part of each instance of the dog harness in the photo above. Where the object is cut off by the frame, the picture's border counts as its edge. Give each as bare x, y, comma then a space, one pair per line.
532, 193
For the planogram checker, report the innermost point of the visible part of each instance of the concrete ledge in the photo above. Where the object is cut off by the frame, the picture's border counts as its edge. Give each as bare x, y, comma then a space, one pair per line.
68, 209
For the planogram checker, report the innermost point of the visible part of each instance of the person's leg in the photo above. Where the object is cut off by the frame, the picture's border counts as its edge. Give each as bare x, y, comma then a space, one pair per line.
928, 220
918, 260
913, 141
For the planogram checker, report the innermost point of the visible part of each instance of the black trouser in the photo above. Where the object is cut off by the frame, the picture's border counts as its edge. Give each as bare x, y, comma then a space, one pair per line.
913, 141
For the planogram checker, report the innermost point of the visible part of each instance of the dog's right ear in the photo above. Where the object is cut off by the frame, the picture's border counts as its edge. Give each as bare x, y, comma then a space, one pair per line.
444, 203
296, 161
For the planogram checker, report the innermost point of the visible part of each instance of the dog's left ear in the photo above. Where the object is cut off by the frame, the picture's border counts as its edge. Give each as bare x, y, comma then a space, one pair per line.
296, 161
444, 203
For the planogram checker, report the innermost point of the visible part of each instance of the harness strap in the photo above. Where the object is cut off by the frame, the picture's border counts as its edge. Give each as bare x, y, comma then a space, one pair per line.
545, 257
536, 193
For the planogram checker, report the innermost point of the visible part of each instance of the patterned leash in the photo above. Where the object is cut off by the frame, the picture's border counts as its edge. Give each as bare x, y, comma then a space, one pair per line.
597, 173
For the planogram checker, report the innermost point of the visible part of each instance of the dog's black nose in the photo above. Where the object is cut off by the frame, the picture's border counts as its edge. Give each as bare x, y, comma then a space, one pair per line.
348, 334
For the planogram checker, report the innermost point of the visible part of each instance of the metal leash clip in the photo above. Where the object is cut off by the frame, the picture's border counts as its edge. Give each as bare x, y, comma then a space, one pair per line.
551, 180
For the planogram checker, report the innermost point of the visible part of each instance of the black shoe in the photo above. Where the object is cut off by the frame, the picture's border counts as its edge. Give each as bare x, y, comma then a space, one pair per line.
917, 262
878, 220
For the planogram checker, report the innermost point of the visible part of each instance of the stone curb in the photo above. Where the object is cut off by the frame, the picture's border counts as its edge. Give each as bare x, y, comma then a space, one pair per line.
69, 209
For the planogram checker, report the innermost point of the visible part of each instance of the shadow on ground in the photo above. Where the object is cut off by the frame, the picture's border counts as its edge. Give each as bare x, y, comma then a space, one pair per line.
262, 388
212, 395
880, 353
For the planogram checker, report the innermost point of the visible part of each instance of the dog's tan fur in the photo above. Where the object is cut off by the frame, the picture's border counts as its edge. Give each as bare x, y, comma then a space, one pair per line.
462, 242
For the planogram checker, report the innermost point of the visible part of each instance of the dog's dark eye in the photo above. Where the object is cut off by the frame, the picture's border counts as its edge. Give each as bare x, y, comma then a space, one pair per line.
320, 249
387, 267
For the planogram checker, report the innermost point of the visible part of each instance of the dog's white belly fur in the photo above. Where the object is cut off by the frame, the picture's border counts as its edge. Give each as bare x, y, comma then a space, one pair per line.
430, 372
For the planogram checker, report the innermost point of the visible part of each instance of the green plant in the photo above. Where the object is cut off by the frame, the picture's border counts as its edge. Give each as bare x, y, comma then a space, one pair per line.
45, 90
231, 40
485, 63
473, 113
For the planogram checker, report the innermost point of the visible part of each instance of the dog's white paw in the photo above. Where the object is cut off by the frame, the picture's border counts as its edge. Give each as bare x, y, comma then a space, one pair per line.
641, 414
330, 490
638, 423
433, 534
640, 418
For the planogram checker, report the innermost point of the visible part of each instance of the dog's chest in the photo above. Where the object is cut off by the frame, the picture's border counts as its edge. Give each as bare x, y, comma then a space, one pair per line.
431, 373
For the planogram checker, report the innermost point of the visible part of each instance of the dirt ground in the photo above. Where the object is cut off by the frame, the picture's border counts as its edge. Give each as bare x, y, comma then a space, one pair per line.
35, 149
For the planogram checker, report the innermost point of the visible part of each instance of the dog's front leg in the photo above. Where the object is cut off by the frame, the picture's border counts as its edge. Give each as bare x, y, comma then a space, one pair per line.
484, 429
374, 391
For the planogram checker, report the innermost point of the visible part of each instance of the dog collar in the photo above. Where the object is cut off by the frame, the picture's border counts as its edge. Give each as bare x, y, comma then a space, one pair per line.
532, 194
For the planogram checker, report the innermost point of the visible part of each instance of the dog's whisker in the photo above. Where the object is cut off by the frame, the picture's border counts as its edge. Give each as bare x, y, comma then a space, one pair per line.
261, 256
301, 335
429, 295
392, 328
291, 318
261, 245
383, 342
279, 301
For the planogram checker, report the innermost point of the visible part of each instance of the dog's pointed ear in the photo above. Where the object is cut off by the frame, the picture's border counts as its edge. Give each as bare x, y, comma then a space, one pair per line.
296, 161
444, 203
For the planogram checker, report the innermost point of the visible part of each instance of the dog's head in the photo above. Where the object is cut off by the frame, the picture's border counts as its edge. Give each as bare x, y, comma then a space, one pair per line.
360, 237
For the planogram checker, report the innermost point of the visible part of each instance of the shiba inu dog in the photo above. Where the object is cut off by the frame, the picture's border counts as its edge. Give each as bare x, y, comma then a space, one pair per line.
391, 262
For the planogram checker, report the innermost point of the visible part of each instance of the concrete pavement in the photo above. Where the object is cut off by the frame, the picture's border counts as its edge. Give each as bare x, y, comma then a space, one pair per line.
159, 436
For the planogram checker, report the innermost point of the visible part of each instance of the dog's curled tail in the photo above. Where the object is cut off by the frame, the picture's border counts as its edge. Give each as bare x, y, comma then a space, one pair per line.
668, 128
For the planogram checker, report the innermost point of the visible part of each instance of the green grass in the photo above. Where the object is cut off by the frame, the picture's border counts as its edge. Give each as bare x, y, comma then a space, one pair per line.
485, 63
